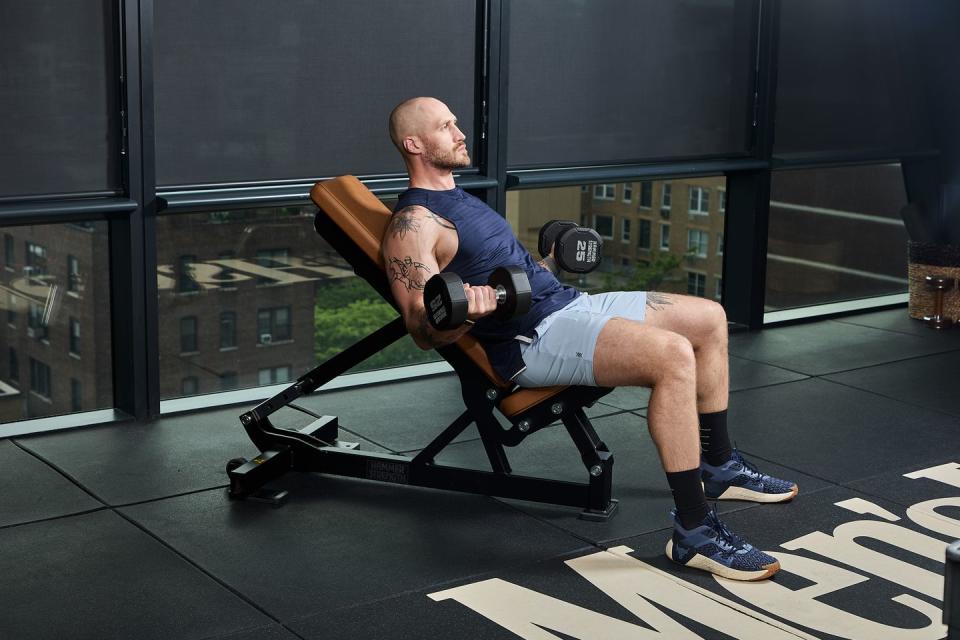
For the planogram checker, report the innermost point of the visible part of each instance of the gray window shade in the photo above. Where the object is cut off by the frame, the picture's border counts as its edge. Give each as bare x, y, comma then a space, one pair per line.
250, 90
59, 97
621, 80
849, 76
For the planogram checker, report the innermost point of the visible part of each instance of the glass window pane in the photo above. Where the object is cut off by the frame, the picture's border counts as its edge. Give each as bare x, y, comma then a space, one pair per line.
247, 90
689, 64
59, 97
629, 260
264, 316
835, 234
56, 337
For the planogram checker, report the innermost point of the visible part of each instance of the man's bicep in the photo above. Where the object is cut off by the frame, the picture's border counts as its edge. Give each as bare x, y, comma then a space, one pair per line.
409, 254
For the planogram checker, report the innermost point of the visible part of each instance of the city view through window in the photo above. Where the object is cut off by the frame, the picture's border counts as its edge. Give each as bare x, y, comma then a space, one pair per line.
255, 297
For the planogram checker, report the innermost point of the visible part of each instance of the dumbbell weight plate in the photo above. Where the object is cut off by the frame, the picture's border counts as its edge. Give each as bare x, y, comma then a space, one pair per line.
518, 298
445, 301
578, 250
549, 233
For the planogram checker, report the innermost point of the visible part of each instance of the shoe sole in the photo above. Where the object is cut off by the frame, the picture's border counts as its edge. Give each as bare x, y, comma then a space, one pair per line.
739, 493
712, 566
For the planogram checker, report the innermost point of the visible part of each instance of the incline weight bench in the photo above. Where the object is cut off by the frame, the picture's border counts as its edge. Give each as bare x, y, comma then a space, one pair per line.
353, 220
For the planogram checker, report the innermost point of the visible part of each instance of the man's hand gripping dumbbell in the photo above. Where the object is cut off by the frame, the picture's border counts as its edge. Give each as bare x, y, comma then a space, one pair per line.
568, 246
449, 302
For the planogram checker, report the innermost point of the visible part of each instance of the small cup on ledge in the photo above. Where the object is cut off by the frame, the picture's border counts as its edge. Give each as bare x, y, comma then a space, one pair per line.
939, 285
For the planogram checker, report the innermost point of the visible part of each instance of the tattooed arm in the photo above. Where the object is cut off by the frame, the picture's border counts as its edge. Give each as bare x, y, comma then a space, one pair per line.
410, 256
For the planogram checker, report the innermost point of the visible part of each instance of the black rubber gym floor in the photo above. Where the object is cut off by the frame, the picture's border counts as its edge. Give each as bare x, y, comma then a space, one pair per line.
126, 531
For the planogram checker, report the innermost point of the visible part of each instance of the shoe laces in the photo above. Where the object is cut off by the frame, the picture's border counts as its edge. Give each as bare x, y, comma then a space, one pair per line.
747, 466
728, 540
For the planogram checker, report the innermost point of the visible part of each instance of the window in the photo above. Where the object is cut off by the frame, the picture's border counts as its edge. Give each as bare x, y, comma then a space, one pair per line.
74, 336
73, 274
36, 259
644, 241
604, 226
666, 195
625, 230
8, 258
603, 191
723, 200
665, 237
696, 284
76, 397
228, 330
697, 242
185, 281
12, 309
14, 365
273, 325
272, 259
188, 335
627, 192
646, 194
36, 328
719, 293
699, 201
274, 375
228, 380
40, 382
189, 386
720, 244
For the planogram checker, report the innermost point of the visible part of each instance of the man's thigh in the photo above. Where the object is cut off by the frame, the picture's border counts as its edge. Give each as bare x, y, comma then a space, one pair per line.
694, 318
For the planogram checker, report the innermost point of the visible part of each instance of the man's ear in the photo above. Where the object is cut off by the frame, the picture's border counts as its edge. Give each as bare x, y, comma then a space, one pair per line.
412, 145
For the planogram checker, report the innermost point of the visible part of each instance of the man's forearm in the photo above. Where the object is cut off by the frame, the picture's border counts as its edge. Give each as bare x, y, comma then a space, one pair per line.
429, 338
550, 265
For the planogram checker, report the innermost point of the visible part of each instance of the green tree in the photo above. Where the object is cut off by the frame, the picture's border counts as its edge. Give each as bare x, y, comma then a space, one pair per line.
643, 277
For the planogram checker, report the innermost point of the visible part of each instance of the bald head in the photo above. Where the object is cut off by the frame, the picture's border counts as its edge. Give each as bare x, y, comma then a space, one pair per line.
410, 117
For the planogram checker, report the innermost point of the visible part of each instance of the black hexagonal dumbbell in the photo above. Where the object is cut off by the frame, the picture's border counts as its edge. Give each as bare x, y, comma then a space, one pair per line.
446, 301
575, 249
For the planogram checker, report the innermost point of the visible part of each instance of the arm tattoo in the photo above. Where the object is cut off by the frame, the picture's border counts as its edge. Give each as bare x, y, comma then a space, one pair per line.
407, 271
443, 222
656, 300
402, 222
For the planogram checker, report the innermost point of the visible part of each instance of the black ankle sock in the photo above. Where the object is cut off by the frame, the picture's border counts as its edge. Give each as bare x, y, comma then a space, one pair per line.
714, 440
688, 496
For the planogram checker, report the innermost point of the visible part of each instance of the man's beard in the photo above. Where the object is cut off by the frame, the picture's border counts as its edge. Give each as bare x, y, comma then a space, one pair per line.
447, 161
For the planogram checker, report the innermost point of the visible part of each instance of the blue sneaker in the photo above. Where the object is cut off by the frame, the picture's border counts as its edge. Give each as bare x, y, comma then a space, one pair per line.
714, 548
737, 479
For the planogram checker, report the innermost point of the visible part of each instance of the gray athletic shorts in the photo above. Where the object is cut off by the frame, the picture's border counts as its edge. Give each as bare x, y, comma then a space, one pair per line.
562, 350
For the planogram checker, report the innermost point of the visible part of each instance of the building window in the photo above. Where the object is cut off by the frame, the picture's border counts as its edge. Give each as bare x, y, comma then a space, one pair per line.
40, 382
14, 364
697, 242
36, 259
8, 243
699, 201
666, 195
188, 335
604, 191
719, 294
627, 192
644, 240
646, 194
274, 375
604, 226
76, 397
189, 386
696, 284
723, 200
665, 237
273, 325
272, 259
228, 330
625, 230
720, 244
12, 309
228, 380
35, 325
73, 274
74, 336
185, 280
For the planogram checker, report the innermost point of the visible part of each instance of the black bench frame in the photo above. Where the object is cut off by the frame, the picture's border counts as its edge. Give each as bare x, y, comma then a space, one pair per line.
316, 448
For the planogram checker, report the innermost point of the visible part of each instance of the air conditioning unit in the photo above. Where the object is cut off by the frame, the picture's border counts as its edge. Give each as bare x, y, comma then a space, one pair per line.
266, 338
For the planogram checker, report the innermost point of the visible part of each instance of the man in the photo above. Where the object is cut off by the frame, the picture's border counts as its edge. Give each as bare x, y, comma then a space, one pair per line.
676, 345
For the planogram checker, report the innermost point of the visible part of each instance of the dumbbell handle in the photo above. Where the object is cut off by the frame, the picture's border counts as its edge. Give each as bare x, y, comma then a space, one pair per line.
501, 294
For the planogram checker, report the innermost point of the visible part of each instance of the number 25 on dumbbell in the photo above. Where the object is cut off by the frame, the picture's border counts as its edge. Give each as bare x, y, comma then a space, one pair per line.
575, 249
445, 299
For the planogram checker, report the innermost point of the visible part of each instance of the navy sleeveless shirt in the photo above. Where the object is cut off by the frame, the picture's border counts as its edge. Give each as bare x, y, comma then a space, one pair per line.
487, 242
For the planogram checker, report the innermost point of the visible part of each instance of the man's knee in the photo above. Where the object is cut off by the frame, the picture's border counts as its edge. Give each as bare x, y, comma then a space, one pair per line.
677, 358
713, 319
